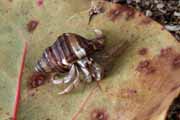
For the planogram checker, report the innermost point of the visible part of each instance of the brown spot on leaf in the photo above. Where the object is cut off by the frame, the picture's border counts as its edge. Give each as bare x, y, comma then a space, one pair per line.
128, 92
99, 114
146, 21
143, 51
39, 2
176, 62
31, 26
118, 10
163, 65
171, 56
7, 113
145, 67
36, 80
130, 13
165, 52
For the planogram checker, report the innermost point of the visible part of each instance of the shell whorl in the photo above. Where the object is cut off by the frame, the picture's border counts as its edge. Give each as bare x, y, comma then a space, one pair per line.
66, 50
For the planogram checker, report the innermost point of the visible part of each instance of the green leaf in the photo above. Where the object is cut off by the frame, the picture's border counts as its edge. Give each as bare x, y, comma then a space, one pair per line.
11, 50
140, 83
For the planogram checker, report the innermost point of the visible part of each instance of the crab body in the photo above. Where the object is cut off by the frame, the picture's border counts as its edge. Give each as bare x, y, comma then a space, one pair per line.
71, 53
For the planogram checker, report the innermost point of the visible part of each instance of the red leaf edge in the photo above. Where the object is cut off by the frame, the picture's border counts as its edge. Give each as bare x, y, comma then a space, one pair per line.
18, 89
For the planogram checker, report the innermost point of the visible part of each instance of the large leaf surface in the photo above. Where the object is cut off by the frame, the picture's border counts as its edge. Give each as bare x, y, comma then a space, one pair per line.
130, 90
11, 50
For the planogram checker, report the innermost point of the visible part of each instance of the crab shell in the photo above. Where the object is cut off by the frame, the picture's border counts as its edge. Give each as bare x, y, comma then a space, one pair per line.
65, 51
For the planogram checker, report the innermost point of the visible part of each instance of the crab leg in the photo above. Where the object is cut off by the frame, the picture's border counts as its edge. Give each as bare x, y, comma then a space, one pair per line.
75, 83
66, 79
84, 63
97, 71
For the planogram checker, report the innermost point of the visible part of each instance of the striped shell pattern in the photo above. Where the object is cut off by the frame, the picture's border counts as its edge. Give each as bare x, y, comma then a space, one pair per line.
71, 53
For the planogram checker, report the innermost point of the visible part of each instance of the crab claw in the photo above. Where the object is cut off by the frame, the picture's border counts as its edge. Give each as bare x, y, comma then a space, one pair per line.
66, 79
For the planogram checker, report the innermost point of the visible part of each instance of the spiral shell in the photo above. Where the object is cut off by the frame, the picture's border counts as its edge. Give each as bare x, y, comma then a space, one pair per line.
65, 51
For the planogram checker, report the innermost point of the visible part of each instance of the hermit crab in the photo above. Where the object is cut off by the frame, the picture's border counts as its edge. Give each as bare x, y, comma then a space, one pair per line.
71, 53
